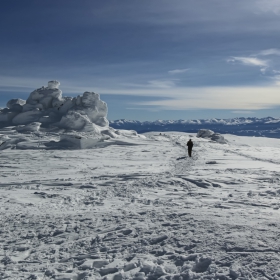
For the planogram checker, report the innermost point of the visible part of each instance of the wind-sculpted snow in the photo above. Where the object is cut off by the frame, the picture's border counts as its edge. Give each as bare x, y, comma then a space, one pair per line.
142, 211
81, 122
48, 106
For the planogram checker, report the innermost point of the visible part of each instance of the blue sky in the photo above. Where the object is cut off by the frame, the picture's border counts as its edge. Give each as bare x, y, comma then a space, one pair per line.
148, 59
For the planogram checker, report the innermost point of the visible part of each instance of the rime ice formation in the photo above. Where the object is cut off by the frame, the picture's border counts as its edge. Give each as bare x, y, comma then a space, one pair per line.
209, 134
205, 133
47, 106
75, 123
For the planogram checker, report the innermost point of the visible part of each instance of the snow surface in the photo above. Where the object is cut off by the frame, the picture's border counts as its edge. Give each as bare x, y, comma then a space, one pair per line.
139, 208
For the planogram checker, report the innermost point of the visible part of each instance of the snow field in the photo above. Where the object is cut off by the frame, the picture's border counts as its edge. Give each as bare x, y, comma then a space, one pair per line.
142, 211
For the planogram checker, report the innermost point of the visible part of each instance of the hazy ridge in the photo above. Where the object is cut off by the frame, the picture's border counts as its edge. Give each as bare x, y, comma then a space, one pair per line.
268, 127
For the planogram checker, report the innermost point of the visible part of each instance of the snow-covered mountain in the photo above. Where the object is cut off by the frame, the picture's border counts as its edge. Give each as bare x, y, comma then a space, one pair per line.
269, 127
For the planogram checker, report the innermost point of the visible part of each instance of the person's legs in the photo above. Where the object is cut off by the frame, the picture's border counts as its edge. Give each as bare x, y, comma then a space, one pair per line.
190, 152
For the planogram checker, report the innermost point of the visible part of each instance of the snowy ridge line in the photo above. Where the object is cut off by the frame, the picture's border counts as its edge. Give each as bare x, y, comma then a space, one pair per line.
268, 127
230, 121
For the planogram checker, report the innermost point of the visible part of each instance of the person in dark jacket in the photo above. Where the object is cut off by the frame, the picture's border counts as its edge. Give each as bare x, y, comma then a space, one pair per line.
190, 145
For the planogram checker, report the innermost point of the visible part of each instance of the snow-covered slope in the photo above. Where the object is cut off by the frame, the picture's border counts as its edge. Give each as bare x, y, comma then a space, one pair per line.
142, 210
269, 127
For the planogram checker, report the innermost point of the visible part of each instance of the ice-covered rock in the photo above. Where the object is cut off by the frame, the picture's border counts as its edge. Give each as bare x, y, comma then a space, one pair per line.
75, 121
14, 102
15, 105
79, 122
205, 133
44, 96
7, 116
94, 108
32, 127
53, 84
209, 134
48, 106
218, 138
27, 117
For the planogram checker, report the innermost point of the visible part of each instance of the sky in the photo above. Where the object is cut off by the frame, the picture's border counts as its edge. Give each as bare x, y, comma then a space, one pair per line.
148, 59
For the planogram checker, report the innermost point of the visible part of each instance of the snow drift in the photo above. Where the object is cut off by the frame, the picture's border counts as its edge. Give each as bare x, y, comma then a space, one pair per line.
80, 121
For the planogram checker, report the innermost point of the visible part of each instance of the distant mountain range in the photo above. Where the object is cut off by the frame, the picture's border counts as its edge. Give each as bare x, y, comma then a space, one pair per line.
268, 127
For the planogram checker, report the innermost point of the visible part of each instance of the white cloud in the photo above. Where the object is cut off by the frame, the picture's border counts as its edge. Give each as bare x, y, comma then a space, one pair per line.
150, 109
227, 98
270, 52
183, 98
162, 83
269, 6
263, 70
276, 79
178, 71
188, 98
251, 61
22, 83
243, 112
151, 84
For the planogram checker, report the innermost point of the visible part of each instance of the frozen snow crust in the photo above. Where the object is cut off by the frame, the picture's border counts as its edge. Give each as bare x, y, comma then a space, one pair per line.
80, 122
142, 212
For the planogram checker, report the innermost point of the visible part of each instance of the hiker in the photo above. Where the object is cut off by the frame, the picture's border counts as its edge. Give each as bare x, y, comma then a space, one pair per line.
190, 145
